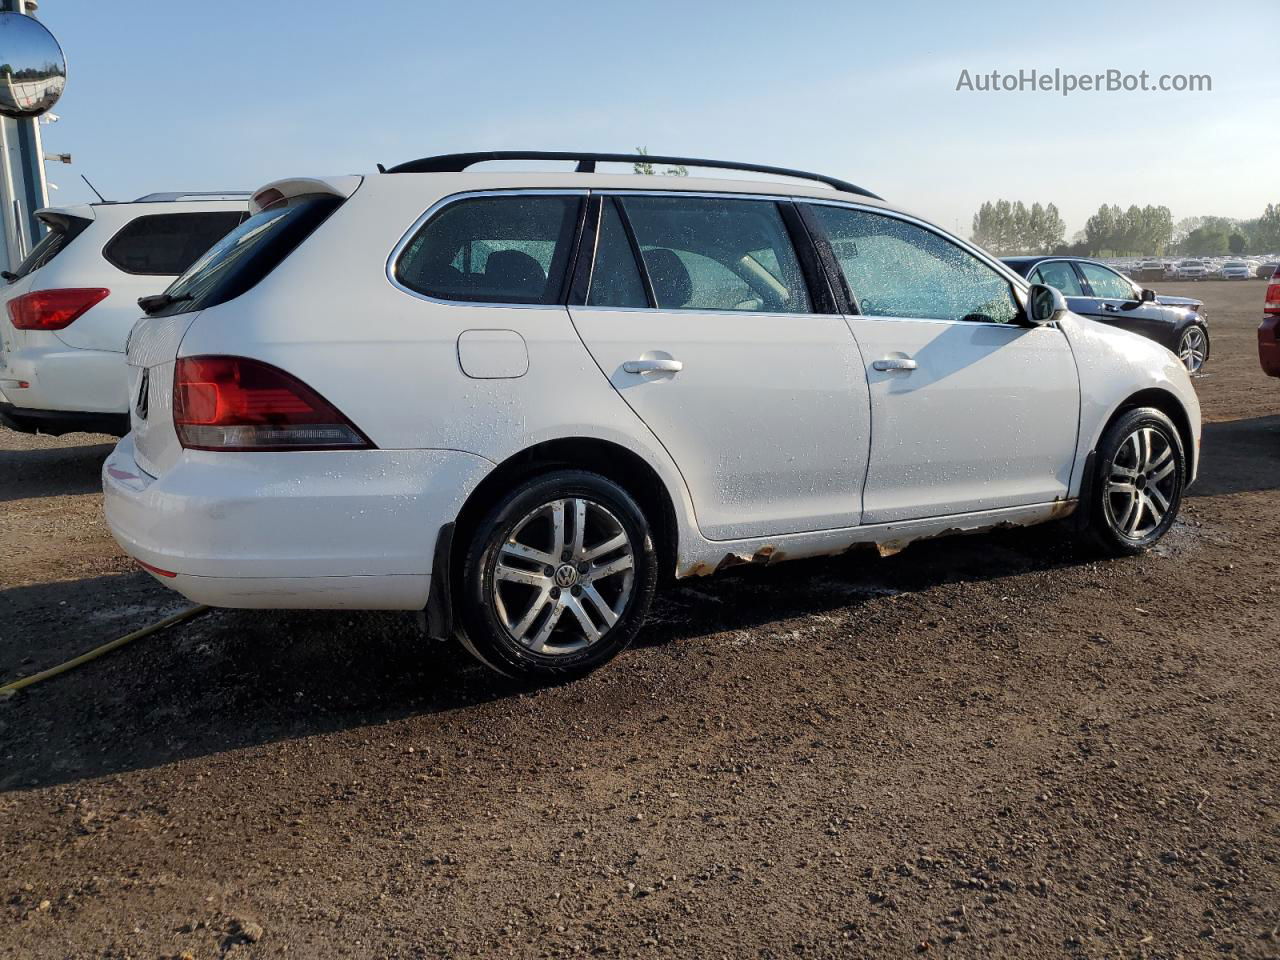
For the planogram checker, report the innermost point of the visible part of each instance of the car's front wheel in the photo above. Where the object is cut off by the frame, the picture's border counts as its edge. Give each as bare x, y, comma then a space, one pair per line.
1193, 347
558, 577
1140, 473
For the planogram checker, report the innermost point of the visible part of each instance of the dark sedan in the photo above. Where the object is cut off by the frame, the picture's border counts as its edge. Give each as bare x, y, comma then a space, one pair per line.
1095, 290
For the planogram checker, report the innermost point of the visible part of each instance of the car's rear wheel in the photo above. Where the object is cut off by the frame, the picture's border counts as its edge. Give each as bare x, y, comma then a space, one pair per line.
558, 577
1137, 487
1193, 347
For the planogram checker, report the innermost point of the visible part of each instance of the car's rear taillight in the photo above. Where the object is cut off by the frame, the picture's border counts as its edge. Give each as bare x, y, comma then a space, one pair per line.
1272, 302
233, 403
53, 309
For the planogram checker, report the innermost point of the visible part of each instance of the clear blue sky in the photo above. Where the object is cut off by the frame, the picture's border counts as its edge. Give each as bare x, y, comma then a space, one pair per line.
176, 94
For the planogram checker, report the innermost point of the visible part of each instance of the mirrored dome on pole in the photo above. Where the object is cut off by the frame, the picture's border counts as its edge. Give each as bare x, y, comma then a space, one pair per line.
33, 70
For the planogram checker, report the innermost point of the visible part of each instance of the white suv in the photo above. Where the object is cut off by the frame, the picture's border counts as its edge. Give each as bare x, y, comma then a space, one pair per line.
68, 308
521, 399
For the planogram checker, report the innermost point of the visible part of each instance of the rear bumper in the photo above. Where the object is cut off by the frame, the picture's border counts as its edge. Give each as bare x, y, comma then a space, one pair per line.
351, 529
57, 422
1269, 346
63, 379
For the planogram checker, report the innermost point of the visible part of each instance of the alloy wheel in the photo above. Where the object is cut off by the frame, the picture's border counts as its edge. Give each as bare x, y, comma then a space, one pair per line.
1193, 349
563, 576
1142, 485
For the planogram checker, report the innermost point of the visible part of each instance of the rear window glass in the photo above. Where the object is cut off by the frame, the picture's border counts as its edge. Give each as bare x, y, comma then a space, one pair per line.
493, 250
61, 233
165, 244
248, 253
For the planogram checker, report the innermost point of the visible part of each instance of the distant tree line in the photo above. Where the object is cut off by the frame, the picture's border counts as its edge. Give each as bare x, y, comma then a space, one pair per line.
1007, 228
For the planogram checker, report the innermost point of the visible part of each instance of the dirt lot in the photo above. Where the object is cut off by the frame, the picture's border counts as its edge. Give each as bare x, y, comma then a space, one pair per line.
987, 746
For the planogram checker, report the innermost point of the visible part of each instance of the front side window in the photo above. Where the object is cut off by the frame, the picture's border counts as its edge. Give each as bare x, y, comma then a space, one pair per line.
1058, 274
1107, 283
896, 269
717, 254
166, 244
500, 249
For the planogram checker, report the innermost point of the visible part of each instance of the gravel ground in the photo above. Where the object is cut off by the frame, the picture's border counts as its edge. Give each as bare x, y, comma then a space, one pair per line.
984, 746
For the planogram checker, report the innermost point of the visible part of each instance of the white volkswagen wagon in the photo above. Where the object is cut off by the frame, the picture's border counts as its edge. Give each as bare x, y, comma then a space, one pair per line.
519, 400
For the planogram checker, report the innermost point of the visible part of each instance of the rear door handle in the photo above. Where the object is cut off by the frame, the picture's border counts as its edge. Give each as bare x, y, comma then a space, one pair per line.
653, 366
894, 363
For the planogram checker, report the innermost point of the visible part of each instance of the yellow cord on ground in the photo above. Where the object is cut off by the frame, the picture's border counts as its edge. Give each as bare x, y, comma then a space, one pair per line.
11, 688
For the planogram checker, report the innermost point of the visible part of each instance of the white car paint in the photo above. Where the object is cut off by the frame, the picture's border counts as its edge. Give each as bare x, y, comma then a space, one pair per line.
81, 368
772, 440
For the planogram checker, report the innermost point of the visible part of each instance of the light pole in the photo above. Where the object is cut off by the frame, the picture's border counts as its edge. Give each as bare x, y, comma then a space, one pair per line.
34, 73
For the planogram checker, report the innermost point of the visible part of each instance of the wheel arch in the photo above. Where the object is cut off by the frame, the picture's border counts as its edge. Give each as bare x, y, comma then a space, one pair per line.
1168, 404
623, 466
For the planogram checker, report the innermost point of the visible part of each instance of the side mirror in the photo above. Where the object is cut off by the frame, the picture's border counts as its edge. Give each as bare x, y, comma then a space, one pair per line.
1045, 304
1148, 296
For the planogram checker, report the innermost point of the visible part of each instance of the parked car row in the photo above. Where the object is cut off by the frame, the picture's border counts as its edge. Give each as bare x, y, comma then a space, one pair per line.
519, 400
1196, 268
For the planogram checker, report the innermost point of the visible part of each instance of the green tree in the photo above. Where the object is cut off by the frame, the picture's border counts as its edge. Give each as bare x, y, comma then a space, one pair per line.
647, 169
1236, 244
1207, 241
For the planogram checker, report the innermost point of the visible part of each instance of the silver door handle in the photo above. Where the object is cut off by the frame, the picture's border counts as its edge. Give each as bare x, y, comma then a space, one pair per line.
653, 366
894, 363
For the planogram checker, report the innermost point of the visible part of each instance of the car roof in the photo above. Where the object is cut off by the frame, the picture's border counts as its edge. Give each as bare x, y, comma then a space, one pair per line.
445, 184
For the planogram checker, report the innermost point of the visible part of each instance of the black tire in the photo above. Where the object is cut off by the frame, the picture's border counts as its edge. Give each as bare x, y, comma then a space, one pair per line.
1110, 526
1179, 344
554, 658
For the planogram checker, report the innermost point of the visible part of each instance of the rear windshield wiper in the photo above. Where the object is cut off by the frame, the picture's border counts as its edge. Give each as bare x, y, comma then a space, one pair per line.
10, 276
159, 301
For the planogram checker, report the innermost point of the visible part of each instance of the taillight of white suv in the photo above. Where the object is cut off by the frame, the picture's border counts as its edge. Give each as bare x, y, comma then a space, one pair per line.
54, 309
234, 403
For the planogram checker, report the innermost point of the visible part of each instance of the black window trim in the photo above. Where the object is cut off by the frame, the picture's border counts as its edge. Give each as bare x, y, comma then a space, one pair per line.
243, 214
1016, 281
393, 261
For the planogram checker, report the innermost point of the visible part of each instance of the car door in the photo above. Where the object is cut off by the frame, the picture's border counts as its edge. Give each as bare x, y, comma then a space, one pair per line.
1113, 299
699, 312
971, 408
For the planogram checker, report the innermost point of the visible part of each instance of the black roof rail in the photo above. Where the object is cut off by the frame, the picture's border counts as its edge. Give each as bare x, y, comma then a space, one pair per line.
458, 162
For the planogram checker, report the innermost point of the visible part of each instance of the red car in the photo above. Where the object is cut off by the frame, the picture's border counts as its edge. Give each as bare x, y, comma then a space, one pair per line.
1269, 332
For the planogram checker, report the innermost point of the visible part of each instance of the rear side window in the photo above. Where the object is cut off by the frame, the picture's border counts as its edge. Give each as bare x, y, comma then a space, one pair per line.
248, 253
501, 249
165, 244
615, 277
897, 269
61, 232
717, 254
